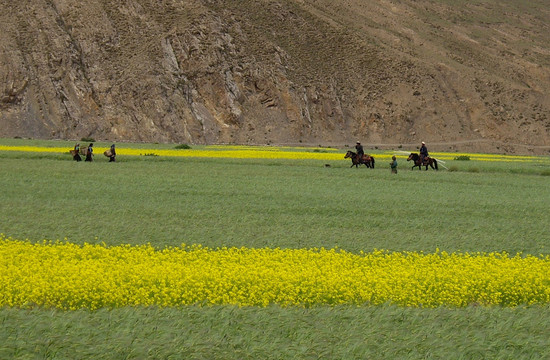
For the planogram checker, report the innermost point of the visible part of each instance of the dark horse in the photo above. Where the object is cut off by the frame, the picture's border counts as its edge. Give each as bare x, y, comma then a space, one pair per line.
356, 161
428, 161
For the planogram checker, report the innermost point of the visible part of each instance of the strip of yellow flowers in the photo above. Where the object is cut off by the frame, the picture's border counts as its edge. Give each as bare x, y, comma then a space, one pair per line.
266, 152
215, 152
68, 276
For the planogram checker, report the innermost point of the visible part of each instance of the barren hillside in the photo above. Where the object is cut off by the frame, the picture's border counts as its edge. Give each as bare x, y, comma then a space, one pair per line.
458, 74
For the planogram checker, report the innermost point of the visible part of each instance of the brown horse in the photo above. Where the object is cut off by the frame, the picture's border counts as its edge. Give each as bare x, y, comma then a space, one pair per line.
356, 160
428, 161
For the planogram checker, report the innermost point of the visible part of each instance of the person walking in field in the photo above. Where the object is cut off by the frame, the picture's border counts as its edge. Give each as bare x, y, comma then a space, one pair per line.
90, 153
76, 153
393, 165
112, 157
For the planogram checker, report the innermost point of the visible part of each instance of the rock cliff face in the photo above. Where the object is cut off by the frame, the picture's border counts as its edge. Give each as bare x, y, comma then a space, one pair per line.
457, 74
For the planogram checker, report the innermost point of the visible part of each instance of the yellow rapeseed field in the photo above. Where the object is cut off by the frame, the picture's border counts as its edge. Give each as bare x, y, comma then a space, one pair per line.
69, 276
234, 152
268, 152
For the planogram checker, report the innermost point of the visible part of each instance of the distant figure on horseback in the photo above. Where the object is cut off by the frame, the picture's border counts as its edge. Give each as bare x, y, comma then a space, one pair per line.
428, 161
423, 153
367, 160
360, 151
362, 158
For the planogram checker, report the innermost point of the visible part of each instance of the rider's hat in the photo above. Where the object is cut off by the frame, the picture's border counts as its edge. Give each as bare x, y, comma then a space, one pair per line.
423, 143
358, 142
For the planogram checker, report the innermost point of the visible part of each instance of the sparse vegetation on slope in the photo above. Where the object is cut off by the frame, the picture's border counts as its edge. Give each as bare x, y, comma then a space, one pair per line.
461, 75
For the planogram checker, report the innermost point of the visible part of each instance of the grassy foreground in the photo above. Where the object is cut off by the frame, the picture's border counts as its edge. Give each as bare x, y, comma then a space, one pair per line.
484, 206
383, 332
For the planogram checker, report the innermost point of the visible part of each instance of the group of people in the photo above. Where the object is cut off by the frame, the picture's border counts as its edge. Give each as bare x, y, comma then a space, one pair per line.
111, 153
393, 165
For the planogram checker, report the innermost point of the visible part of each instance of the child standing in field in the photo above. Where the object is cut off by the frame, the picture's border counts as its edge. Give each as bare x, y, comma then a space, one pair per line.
393, 165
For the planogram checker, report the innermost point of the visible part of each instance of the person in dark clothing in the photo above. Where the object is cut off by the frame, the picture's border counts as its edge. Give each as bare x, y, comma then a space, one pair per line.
112, 157
90, 153
423, 152
76, 153
360, 152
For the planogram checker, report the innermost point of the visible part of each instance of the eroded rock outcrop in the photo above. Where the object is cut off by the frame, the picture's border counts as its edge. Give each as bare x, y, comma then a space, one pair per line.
279, 72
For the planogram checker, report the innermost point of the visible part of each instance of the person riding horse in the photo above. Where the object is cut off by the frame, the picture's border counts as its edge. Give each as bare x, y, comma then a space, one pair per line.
432, 162
367, 160
360, 152
423, 153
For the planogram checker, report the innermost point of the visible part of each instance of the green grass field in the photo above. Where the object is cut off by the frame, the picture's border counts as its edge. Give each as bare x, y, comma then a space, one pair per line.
483, 206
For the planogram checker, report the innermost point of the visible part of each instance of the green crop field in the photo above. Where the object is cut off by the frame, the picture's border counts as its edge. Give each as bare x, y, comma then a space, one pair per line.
478, 206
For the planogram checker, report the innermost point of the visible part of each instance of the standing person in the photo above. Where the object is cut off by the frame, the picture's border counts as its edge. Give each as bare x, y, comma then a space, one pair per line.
90, 153
76, 153
423, 153
113, 154
360, 152
393, 165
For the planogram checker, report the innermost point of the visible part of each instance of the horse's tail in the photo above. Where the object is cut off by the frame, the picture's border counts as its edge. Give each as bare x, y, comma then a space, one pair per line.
372, 160
435, 163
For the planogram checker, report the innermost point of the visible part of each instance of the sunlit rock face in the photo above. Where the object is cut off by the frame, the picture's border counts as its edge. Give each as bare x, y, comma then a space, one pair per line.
459, 75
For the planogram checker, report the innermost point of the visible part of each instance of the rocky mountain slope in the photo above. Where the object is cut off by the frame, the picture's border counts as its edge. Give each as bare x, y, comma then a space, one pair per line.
458, 74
